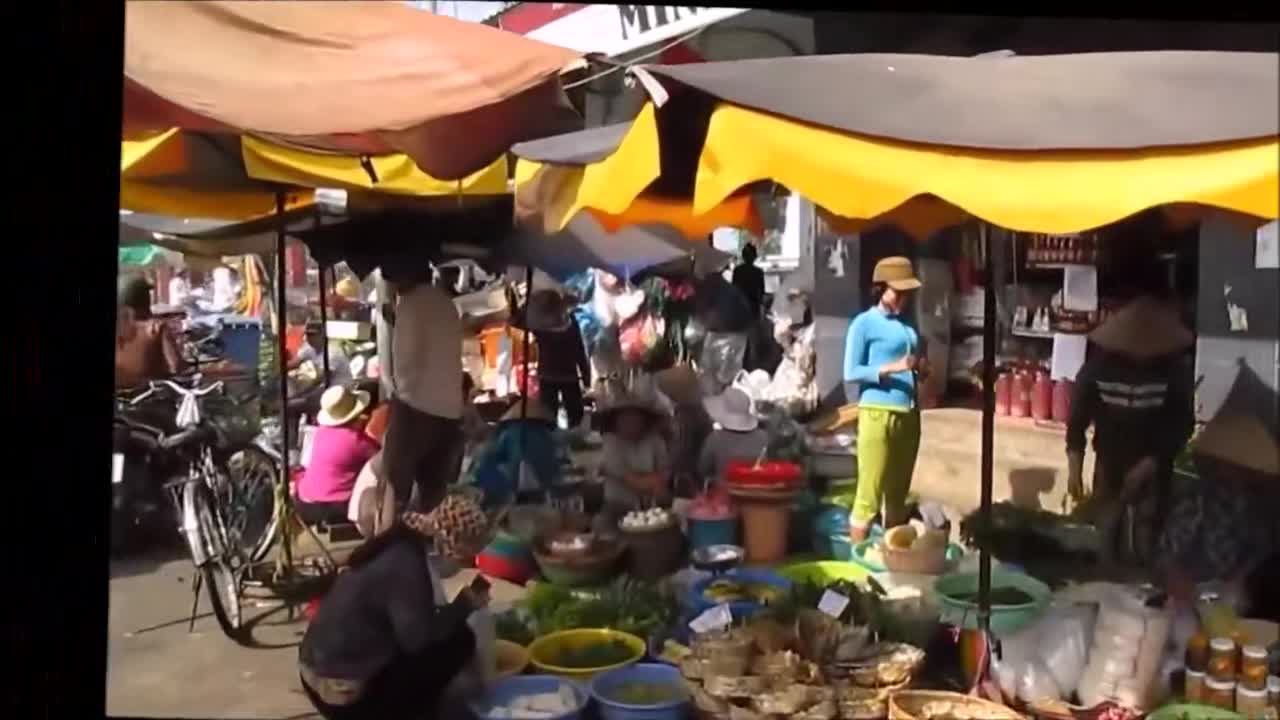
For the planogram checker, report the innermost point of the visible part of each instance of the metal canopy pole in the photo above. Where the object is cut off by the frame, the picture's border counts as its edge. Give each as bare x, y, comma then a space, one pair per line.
988, 423
324, 316
282, 364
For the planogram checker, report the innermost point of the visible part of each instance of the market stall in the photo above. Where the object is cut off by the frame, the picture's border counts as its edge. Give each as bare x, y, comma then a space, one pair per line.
1101, 155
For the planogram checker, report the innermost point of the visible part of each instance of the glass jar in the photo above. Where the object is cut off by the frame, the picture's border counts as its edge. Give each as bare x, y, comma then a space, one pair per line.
1220, 694
1254, 667
1222, 659
1251, 703
1193, 686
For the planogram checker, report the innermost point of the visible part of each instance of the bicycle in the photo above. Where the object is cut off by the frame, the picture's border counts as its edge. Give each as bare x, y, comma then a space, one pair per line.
221, 501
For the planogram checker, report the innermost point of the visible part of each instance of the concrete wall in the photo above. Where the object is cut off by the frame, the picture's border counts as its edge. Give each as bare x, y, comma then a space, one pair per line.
1239, 366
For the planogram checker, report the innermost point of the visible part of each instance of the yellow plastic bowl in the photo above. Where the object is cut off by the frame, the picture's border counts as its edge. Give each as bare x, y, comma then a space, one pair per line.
511, 658
547, 650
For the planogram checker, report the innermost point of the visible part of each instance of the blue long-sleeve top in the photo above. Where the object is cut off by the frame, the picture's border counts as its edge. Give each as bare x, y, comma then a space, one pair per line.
496, 471
875, 338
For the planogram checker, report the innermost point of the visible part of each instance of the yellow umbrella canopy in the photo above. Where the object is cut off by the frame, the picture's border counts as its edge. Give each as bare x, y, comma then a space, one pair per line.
188, 174
226, 177
1051, 144
561, 176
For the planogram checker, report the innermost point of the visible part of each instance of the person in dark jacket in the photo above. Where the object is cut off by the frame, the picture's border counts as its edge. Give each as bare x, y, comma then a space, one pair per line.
749, 279
1136, 391
379, 646
563, 368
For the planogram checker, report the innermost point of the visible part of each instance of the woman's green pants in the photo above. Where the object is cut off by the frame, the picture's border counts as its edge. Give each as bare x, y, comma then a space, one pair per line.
888, 440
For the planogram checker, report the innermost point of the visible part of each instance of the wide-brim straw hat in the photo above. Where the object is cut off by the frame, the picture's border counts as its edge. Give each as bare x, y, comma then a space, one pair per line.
616, 395
732, 410
1242, 440
1145, 328
896, 272
680, 383
534, 410
340, 405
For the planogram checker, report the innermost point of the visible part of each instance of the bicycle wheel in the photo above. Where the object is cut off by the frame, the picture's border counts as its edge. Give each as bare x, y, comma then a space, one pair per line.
248, 501
221, 580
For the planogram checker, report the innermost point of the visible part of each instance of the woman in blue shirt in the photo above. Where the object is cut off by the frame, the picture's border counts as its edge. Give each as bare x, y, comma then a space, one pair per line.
881, 359
525, 436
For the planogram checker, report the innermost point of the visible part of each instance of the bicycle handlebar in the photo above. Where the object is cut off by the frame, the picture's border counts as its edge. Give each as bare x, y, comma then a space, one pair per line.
181, 391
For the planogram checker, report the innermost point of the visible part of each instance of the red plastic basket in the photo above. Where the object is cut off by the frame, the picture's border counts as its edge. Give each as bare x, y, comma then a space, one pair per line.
771, 473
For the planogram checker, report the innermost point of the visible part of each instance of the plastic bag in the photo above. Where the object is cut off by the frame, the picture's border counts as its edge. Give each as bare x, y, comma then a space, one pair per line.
1064, 645
639, 337
504, 360
1036, 683
721, 360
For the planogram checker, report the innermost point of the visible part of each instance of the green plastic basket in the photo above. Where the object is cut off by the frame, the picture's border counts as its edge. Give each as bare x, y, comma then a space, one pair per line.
1005, 619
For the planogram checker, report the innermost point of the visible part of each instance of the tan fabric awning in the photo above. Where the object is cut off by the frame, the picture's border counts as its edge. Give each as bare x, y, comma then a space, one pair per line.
357, 77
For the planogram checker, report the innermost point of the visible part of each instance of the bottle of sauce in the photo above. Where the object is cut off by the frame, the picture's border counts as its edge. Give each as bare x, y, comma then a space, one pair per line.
1062, 390
1042, 397
1197, 662
1020, 405
1003, 393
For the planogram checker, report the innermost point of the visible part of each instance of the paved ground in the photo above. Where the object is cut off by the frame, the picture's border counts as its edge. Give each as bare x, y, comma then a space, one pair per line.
155, 668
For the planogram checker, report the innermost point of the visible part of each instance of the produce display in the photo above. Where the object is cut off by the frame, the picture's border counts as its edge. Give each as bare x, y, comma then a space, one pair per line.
593, 656
640, 609
650, 519
537, 706
729, 590
646, 693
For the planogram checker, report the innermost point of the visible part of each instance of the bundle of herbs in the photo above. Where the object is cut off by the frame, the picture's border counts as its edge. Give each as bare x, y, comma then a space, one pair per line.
1023, 536
640, 609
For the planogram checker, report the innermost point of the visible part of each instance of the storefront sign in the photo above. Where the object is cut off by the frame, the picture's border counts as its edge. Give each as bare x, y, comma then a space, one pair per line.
609, 29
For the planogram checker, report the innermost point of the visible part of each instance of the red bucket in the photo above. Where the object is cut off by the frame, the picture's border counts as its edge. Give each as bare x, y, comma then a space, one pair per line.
771, 473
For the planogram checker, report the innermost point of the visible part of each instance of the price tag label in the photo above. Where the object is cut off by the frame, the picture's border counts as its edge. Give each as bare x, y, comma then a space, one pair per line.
716, 618
833, 603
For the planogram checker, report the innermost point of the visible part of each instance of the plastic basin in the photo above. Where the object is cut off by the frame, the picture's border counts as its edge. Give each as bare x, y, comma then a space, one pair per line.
546, 652
740, 472
698, 602
605, 684
1005, 619
508, 689
824, 572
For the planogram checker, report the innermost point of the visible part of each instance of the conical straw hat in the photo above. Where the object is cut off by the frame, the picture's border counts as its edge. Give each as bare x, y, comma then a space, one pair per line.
1145, 328
1242, 440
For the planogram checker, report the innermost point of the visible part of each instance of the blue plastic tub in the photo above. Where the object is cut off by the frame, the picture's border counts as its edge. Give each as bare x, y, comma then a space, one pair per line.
603, 686
240, 337
504, 691
697, 602
705, 533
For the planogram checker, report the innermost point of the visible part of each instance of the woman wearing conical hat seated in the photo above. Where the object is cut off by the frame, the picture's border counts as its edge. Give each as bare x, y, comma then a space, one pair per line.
1223, 526
1136, 391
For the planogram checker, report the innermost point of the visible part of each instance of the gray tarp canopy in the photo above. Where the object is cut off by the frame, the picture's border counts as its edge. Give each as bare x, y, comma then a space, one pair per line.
1094, 101
632, 251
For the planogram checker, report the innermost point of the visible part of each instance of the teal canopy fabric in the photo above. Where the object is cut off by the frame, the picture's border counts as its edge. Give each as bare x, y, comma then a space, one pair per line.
141, 255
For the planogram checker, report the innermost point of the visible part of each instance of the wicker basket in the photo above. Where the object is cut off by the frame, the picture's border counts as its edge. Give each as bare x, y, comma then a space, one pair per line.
917, 704
888, 665
925, 560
